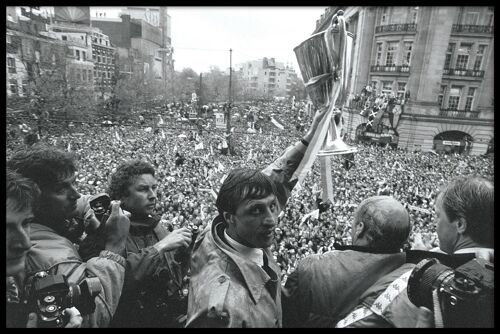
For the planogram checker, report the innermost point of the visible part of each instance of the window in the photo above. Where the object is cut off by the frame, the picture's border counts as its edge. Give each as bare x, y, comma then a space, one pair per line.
84, 75
11, 63
449, 55
470, 98
95, 74
107, 43
77, 52
391, 52
84, 55
401, 89
471, 18
90, 75
64, 37
454, 98
8, 39
25, 85
13, 86
100, 40
489, 19
414, 15
98, 59
462, 61
78, 74
441, 96
71, 73
109, 75
386, 86
95, 39
384, 16
378, 60
479, 57
408, 48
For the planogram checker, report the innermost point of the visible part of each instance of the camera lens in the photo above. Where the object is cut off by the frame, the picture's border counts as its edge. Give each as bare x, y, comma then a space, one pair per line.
51, 308
427, 275
49, 299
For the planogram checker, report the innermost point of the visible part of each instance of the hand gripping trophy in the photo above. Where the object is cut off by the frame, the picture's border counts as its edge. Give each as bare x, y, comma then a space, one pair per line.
325, 61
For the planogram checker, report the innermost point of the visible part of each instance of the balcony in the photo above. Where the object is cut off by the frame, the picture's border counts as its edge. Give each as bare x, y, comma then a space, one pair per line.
473, 29
454, 113
463, 72
390, 68
404, 27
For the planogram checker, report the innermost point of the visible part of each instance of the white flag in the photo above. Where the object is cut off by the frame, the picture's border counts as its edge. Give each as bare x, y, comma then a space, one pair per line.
175, 148
161, 120
198, 146
162, 134
247, 138
117, 136
211, 150
220, 167
69, 147
260, 129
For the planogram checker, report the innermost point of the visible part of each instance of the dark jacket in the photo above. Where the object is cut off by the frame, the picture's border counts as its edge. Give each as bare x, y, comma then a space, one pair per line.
152, 292
324, 288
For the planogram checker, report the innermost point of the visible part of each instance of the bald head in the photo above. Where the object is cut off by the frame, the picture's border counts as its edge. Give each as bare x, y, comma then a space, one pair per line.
381, 222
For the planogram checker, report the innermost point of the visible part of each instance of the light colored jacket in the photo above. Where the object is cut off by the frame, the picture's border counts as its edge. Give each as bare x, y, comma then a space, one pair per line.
54, 253
227, 290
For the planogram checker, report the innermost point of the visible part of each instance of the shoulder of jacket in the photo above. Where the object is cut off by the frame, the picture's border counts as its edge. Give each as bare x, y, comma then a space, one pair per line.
219, 288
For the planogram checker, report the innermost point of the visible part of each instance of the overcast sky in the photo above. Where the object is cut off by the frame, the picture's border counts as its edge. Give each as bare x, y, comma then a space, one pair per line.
202, 36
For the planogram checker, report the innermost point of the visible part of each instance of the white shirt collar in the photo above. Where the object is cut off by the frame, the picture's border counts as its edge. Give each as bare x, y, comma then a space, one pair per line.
253, 254
473, 250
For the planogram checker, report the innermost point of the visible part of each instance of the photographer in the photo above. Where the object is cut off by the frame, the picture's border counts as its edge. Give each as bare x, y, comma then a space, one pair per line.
153, 279
56, 226
22, 198
465, 225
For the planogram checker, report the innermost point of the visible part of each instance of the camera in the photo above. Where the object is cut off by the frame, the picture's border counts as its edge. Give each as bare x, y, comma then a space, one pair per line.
50, 295
465, 295
185, 253
101, 204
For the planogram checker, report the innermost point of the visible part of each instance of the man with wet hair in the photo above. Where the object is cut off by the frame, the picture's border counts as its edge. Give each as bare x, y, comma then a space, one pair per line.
57, 226
325, 288
235, 281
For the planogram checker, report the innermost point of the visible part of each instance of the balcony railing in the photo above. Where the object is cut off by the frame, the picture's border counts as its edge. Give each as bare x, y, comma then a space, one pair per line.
390, 68
454, 113
470, 28
411, 27
463, 72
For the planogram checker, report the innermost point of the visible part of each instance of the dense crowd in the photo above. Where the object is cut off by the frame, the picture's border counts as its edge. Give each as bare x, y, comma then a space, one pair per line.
191, 162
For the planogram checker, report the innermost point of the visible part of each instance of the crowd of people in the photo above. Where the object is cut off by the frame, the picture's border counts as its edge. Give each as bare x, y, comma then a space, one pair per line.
190, 174
192, 162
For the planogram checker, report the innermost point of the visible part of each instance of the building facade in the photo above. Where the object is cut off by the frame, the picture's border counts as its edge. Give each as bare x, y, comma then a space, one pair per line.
440, 58
142, 35
267, 78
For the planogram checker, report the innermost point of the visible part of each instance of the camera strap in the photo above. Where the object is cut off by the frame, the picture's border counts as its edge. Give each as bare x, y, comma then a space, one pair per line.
380, 304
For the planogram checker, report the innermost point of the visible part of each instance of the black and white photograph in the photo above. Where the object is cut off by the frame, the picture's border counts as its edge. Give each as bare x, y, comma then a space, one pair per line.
250, 166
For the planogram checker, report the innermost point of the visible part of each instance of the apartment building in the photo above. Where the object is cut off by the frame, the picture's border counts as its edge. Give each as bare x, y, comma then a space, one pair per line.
442, 57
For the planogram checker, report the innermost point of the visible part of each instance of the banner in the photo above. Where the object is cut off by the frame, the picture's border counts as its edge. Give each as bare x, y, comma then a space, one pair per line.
278, 125
314, 214
220, 122
415, 208
198, 146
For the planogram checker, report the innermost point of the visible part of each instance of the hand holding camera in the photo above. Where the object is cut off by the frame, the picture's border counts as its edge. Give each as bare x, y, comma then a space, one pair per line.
177, 238
116, 228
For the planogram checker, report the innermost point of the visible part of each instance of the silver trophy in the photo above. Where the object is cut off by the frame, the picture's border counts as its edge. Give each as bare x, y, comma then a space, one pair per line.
325, 61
